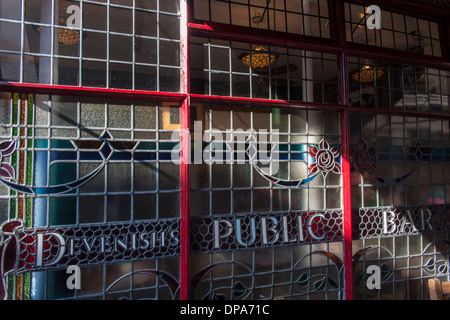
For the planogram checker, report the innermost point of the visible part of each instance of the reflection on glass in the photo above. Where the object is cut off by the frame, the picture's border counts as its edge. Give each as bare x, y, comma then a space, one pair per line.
287, 74
398, 31
105, 36
385, 84
306, 17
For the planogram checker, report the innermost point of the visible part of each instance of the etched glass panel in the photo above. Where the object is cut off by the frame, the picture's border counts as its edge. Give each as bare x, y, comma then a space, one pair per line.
266, 214
399, 199
93, 183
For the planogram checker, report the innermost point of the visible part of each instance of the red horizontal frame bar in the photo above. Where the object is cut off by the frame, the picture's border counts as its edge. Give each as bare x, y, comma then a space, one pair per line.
199, 98
91, 92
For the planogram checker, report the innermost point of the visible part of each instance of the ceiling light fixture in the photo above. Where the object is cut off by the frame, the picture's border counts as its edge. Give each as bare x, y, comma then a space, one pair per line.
367, 74
259, 58
66, 36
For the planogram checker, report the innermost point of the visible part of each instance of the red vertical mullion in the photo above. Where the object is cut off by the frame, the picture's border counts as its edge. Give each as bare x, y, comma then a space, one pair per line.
185, 153
346, 184
347, 205
184, 202
345, 127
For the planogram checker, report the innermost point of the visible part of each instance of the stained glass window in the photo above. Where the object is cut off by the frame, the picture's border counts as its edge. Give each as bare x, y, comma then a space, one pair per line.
69, 171
224, 150
399, 199
277, 207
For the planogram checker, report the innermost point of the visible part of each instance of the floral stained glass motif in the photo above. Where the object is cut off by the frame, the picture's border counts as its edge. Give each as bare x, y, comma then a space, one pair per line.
326, 159
361, 158
6, 149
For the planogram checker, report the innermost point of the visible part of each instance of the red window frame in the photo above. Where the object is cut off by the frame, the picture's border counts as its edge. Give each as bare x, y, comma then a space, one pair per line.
337, 44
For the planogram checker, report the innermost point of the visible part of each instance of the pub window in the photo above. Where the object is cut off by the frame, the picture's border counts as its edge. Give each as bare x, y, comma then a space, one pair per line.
219, 149
116, 45
272, 186
399, 178
398, 31
390, 85
237, 69
308, 18
78, 164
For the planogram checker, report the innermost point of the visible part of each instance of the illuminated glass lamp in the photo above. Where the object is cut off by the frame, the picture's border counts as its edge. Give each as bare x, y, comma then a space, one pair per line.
258, 59
367, 74
68, 37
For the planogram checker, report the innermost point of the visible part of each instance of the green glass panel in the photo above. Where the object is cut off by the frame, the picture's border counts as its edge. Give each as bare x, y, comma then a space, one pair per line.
63, 210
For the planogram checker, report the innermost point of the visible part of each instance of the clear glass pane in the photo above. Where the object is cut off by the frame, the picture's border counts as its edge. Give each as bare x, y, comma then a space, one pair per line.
293, 16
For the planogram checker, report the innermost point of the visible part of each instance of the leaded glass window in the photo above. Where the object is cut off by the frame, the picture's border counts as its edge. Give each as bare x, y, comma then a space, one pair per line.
222, 149
390, 85
277, 208
103, 175
123, 44
238, 69
397, 31
399, 199
310, 18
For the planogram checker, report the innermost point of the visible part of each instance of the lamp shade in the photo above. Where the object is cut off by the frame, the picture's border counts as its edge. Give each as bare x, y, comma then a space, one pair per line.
367, 74
258, 58
68, 37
